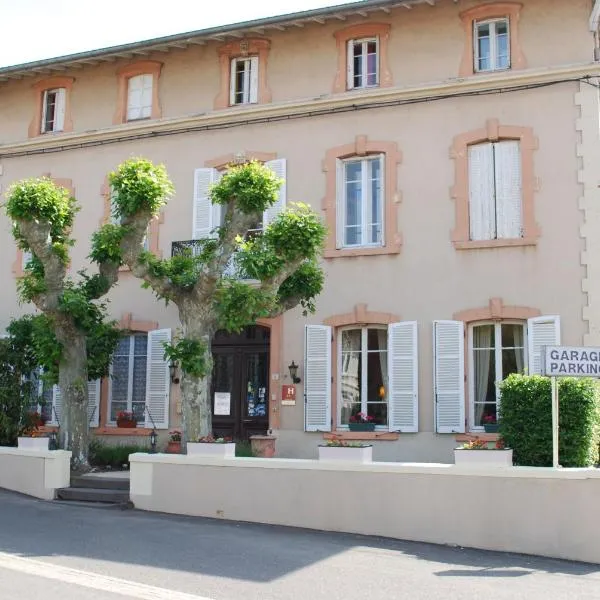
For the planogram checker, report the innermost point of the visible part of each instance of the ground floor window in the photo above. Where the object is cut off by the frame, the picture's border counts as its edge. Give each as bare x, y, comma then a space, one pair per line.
128, 377
41, 393
496, 351
363, 359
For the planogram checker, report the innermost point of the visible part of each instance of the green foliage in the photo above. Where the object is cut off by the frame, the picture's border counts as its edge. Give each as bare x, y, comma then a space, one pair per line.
305, 284
296, 233
139, 187
106, 244
103, 455
526, 420
191, 355
240, 304
243, 448
252, 186
43, 201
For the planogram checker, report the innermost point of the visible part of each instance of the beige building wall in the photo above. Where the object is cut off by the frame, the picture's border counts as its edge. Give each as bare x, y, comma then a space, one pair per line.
429, 279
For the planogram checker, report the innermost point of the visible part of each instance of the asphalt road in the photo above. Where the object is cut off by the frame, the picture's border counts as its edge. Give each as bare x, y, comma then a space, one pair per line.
55, 551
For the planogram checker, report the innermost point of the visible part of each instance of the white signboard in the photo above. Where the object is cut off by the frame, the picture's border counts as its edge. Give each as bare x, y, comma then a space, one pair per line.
222, 403
571, 361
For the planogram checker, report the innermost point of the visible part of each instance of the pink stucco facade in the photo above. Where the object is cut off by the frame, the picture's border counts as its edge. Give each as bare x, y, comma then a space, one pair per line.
424, 110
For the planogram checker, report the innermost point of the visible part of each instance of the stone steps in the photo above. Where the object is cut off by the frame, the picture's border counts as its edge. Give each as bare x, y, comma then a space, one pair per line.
100, 483
96, 489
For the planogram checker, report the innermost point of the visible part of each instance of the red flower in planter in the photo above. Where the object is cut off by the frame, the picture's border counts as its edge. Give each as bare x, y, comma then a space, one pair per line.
361, 418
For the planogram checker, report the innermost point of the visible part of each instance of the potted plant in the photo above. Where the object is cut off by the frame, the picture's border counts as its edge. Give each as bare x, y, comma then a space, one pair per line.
340, 450
126, 419
490, 423
480, 453
174, 444
209, 445
361, 422
31, 438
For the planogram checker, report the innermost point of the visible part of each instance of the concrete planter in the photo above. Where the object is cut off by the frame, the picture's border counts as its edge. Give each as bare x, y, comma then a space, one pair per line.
31, 443
362, 454
211, 449
483, 458
263, 446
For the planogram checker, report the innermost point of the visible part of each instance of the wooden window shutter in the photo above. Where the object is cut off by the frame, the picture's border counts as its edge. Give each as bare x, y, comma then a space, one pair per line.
205, 215
59, 111
254, 80
317, 378
158, 380
482, 212
449, 376
94, 402
403, 377
279, 168
541, 331
507, 158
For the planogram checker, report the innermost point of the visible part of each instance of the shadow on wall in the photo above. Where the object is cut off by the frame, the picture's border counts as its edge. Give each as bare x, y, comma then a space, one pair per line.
222, 548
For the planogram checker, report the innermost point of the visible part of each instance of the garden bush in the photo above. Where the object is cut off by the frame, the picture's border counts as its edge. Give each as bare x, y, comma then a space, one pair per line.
104, 455
526, 420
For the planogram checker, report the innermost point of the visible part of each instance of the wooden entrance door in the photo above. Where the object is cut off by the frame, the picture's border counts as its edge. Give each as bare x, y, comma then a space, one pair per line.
240, 383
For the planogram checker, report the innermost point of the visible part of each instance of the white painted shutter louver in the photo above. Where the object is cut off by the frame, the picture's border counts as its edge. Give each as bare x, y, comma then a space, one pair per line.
340, 209
403, 377
158, 380
56, 418
482, 217
279, 167
205, 216
59, 114
254, 79
350, 65
541, 331
507, 157
94, 403
317, 378
232, 80
449, 376
139, 97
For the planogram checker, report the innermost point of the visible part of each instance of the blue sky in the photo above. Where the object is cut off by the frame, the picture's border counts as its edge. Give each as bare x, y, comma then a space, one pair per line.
36, 29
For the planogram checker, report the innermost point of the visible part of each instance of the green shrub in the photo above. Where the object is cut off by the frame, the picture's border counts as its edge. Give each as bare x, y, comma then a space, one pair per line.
526, 420
243, 448
104, 455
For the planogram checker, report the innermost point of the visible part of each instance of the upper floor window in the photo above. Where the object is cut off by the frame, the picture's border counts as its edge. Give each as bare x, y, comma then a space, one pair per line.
492, 45
360, 202
363, 63
53, 110
495, 206
139, 97
244, 80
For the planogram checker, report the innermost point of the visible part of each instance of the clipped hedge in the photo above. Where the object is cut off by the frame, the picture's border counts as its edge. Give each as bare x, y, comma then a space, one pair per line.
116, 457
526, 420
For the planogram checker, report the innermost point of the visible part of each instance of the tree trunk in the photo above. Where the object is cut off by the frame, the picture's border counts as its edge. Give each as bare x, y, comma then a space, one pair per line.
73, 385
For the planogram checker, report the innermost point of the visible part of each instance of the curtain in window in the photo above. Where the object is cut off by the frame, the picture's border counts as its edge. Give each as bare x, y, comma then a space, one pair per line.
482, 339
519, 353
382, 342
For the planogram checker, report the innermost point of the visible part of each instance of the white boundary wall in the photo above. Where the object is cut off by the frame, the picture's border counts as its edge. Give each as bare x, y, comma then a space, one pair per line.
548, 512
34, 472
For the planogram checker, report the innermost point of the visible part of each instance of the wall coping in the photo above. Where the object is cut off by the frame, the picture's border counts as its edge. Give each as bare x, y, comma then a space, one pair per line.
375, 467
46, 454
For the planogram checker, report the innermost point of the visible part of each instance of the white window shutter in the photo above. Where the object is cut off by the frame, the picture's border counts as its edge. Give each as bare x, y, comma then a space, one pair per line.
340, 208
541, 331
59, 114
279, 167
507, 157
232, 80
158, 380
317, 378
482, 217
204, 213
350, 65
94, 402
403, 377
134, 97
43, 128
449, 376
254, 79
56, 418
146, 96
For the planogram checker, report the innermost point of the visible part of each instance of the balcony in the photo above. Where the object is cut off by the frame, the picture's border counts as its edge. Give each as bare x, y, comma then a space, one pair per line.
183, 247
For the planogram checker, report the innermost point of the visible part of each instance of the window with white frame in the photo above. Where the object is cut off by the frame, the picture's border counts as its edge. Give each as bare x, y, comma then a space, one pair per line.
496, 350
139, 97
495, 190
363, 63
492, 45
41, 395
53, 110
244, 80
363, 356
128, 377
360, 202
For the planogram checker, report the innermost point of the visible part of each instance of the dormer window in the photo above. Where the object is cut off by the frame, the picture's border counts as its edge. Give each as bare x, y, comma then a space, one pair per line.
363, 63
139, 97
53, 110
492, 45
244, 80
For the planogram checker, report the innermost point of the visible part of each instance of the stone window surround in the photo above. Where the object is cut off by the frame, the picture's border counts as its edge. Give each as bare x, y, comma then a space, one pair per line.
494, 132
17, 266
360, 316
50, 83
153, 229
362, 147
124, 74
496, 310
360, 31
221, 163
495, 10
238, 49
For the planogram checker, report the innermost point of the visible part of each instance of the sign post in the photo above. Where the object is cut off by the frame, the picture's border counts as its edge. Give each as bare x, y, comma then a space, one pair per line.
566, 361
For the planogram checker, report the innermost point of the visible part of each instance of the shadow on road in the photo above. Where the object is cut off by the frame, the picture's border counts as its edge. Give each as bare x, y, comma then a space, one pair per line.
243, 551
